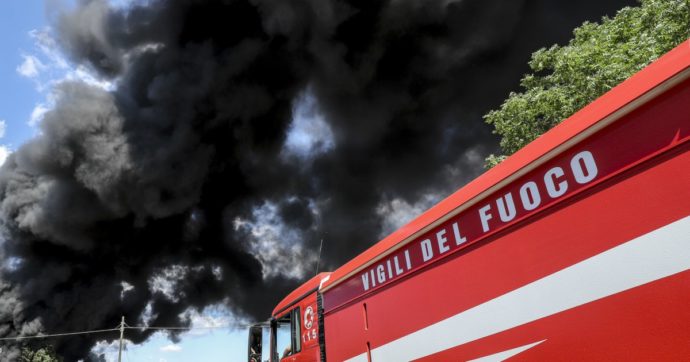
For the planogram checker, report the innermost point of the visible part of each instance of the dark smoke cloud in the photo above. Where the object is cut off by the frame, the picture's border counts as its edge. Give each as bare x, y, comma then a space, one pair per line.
189, 181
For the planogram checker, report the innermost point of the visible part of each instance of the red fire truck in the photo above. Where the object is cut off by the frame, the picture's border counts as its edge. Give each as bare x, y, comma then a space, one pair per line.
575, 248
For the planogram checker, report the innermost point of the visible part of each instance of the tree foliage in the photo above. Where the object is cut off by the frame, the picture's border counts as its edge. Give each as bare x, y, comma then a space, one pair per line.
600, 56
45, 354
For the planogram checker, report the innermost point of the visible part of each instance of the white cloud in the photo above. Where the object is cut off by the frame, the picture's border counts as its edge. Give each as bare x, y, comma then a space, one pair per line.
147, 316
277, 246
171, 348
37, 114
126, 287
4, 152
49, 48
309, 132
398, 212
48, 66
82, 74
165, 281
30, 67
211, 318
208, 321
13, 263
109, 350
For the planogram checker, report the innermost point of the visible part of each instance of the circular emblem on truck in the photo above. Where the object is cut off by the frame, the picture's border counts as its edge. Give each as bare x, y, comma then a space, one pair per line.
308, 317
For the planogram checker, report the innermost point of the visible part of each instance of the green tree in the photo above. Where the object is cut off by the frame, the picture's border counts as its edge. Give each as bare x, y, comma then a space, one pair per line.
45, 354
600, 56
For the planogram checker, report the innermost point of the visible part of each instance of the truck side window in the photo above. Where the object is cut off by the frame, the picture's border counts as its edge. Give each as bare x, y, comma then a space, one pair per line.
288, 334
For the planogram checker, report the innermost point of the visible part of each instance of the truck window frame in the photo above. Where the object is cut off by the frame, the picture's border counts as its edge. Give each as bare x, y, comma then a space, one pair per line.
295, 333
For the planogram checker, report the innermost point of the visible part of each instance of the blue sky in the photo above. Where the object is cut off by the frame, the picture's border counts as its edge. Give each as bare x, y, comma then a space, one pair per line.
19, 93
29, 68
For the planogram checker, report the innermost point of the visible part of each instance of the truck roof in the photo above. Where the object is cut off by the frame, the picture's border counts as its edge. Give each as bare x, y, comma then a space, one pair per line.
302, 291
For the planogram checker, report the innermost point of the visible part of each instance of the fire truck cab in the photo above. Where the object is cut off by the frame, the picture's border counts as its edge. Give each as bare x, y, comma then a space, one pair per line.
293, 332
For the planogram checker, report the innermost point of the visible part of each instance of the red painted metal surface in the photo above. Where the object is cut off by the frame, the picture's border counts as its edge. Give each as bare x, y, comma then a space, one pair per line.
301, 291
532, 250
309, 330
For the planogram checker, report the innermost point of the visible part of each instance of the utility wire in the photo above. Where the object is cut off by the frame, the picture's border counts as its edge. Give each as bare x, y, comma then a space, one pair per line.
58, 334
234, 325
231, 325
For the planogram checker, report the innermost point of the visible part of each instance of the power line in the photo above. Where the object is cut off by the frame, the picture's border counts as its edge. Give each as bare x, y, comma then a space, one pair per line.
58, 334
233, 325
117, 329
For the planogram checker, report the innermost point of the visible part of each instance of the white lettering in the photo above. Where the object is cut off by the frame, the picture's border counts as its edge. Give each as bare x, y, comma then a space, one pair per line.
584, 169
408, 263
427, 252
398, 269
529, 195
550, 179
459, 239
485, 217
441, 240
381, 273
506, 215
586, 158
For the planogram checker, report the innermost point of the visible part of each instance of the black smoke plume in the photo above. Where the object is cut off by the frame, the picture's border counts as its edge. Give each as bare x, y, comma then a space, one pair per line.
238, 135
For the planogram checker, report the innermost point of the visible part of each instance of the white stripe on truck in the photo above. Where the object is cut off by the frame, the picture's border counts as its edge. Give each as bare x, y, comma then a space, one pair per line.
655, 255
